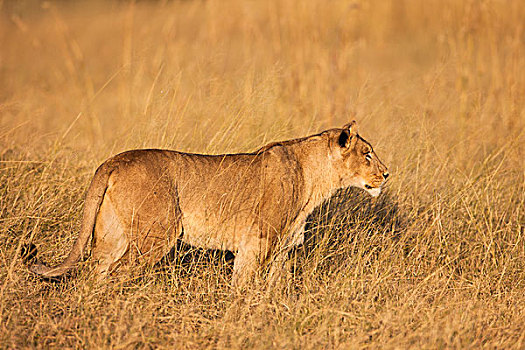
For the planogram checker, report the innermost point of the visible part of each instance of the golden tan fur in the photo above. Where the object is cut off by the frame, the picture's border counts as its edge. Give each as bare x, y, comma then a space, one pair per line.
256, 204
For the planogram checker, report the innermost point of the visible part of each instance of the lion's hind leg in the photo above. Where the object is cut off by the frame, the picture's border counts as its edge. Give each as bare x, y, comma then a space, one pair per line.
139, 220
110, 239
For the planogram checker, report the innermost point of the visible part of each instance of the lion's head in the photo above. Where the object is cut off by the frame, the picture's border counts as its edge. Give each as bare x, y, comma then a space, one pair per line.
355, 161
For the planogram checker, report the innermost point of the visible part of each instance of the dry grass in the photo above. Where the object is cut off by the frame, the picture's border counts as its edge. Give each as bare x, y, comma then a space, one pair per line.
438, 261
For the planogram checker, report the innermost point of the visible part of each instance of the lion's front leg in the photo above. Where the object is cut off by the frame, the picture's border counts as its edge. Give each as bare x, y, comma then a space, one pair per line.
252, 252
278, 267
279, 264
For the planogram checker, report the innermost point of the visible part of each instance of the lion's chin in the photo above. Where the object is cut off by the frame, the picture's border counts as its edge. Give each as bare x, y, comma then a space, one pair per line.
373, 191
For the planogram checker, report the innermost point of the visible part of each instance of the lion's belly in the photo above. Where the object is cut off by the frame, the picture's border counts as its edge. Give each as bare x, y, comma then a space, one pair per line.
211, 233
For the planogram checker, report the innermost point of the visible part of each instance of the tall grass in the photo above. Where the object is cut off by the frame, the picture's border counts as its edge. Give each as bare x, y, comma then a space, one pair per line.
438, 261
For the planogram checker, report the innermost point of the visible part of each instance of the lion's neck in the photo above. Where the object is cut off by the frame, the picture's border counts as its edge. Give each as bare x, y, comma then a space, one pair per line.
319, 179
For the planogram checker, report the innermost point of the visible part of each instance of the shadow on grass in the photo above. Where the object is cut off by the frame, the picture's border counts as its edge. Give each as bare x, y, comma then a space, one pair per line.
186, 258
350, 224
353, 209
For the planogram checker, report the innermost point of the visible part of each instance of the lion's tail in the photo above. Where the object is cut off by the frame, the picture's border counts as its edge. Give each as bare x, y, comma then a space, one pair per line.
94, 197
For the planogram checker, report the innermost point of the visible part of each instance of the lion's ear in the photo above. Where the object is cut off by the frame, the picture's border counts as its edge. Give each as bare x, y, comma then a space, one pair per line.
351, 127
348, 132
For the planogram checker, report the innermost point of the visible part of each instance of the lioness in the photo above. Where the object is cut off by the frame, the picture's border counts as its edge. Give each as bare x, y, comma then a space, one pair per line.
253, 204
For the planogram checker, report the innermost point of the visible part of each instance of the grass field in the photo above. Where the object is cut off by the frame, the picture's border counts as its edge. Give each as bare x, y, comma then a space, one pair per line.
438, 87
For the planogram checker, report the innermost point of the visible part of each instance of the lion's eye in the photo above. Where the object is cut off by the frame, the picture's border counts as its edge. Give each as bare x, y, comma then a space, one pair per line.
368, 157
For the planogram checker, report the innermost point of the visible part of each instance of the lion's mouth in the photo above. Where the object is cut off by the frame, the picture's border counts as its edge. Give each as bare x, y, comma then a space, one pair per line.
368, 187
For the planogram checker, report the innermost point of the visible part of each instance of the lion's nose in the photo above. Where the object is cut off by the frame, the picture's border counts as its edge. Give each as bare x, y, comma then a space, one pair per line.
386, 175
